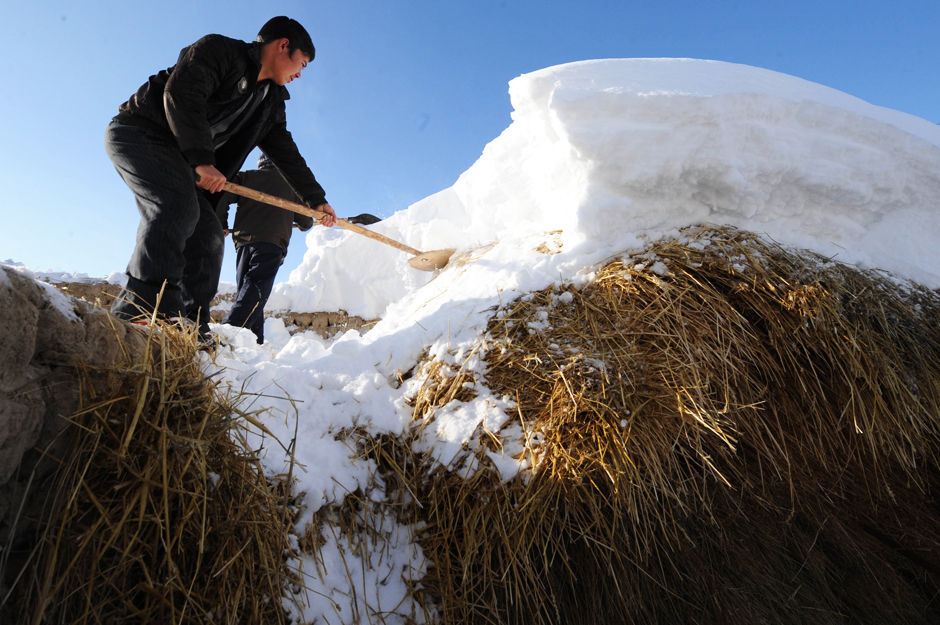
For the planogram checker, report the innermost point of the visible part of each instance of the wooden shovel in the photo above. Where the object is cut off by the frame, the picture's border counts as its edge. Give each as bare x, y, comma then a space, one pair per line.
425, 261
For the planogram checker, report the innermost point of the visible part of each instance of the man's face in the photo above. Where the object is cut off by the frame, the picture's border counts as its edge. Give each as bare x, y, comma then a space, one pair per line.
288, 66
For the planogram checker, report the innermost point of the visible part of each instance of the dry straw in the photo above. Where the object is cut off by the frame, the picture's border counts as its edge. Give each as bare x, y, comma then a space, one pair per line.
721, 431
160, 513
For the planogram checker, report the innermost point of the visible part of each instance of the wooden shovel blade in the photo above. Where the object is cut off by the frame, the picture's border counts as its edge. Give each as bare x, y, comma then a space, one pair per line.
429, 261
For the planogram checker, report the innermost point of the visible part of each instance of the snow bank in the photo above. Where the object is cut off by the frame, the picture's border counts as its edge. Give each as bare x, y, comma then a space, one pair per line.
610, 150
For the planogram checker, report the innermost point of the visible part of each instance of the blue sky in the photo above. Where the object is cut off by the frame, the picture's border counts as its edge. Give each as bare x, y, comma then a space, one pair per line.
403, 94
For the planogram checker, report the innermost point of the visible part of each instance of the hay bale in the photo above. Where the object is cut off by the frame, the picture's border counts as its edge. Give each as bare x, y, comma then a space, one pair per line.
718, 430
159, 513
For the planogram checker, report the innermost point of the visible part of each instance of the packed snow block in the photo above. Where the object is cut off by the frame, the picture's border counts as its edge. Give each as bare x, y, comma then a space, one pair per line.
608, 151
703, 141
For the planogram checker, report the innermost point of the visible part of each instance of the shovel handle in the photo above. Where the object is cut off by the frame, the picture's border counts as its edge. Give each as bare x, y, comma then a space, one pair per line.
273, 200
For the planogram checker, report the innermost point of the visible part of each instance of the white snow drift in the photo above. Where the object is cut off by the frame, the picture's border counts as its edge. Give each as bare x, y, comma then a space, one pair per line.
608, 150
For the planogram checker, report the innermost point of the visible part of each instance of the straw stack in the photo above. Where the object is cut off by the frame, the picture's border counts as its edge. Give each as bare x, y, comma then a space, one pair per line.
717, 430
158, 513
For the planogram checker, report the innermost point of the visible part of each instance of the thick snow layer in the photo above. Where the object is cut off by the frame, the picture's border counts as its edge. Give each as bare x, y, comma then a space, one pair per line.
610, 150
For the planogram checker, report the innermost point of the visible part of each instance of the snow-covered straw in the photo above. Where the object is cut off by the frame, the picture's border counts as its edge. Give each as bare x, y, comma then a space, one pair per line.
601, 157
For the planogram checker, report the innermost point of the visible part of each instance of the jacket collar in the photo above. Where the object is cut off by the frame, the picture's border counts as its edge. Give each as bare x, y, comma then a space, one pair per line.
254, 54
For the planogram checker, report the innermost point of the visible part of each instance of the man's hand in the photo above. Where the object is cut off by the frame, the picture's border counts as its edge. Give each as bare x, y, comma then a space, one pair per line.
329, 219
209, 178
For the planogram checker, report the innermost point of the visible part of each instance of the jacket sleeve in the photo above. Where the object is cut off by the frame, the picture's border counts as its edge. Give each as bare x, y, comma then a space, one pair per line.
279, 145
226, 200
197, 74
304, 222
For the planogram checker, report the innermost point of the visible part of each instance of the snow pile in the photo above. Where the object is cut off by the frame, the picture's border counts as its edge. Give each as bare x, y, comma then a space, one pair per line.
613, 149
601, 157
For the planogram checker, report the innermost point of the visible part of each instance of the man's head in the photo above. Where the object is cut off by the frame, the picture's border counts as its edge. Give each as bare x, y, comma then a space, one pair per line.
286, 51
282, 27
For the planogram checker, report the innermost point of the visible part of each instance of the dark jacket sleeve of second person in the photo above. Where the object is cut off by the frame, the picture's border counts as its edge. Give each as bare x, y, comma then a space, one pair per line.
304, 222
279, 146
228, 198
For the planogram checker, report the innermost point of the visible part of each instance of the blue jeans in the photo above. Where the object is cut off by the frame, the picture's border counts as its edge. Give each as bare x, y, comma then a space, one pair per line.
180, 243
257, 266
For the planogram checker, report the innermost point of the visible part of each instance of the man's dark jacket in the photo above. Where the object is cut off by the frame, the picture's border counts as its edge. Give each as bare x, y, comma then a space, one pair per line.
211, 79
255, 221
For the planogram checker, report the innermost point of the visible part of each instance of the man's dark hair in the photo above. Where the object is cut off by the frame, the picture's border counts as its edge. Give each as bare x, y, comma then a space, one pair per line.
282, 26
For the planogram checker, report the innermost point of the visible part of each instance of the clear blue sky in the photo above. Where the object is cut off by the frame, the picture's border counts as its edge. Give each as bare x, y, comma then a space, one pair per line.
403, 94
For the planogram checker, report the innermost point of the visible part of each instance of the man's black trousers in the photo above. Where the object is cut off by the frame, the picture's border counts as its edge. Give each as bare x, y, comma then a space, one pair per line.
179, 239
